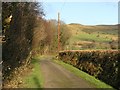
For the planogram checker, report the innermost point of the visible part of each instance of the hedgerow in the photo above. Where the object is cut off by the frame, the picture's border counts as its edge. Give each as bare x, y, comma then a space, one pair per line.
102, 64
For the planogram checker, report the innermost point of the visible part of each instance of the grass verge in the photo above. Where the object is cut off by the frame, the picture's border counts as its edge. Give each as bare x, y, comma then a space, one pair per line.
97, 83
35, 78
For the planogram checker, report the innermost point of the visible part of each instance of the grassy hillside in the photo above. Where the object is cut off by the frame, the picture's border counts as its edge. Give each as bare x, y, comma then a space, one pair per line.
93, 37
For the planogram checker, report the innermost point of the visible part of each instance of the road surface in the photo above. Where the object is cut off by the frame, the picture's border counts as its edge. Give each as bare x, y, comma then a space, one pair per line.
56, 76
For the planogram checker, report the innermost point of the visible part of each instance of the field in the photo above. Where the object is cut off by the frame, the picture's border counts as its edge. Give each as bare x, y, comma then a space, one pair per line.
93, 37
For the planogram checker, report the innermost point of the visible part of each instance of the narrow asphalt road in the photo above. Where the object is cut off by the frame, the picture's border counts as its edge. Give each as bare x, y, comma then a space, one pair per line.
56, 76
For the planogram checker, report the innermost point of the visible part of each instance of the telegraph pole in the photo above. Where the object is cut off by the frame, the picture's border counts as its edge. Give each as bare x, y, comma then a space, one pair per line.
58, 31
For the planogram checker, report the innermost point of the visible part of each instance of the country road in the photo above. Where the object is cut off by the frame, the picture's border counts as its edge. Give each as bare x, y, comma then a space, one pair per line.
55, 76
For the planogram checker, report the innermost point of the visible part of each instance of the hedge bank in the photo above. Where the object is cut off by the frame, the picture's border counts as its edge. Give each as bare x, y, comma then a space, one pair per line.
102, 64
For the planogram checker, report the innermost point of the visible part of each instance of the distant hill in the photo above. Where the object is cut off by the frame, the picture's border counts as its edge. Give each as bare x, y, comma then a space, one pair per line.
95, 37
109, 29
75, 24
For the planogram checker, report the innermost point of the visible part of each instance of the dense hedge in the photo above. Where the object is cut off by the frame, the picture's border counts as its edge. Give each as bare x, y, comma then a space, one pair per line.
102, 64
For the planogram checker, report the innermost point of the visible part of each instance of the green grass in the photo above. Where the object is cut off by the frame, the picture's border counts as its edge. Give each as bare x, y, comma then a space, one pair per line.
35, 78
97, 83
86, 40
100, 42
91, 37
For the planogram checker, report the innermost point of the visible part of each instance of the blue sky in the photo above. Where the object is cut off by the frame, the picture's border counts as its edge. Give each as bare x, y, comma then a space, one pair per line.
86, 13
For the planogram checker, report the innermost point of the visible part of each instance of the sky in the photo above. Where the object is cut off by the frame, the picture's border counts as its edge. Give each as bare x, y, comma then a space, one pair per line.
86, 13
